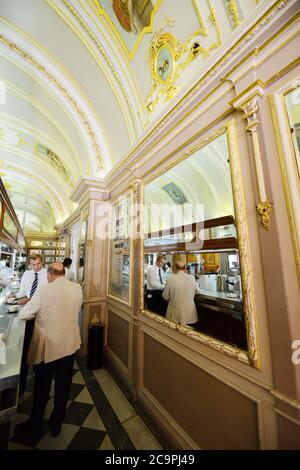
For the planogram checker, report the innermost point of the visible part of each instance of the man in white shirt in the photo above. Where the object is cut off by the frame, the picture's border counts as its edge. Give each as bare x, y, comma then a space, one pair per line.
31, 281
55, 340
155, 286
180, 291
36, 271
68, 273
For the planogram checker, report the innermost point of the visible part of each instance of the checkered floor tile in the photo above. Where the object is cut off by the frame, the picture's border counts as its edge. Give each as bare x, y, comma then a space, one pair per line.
98, 417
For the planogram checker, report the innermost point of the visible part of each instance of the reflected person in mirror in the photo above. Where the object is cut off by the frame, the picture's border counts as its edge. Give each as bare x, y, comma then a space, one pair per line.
56, 338
179, 292
68, 273
155, 286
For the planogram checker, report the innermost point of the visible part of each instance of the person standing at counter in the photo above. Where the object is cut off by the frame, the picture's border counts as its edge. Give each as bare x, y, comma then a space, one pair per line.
179, 292
56, 338
155, 287
68, 273
30, 282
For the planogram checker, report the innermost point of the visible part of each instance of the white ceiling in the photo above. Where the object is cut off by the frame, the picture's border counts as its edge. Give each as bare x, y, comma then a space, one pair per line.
77, 85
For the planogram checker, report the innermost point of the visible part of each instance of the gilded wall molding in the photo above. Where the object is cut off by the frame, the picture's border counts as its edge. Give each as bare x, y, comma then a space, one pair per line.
225, 348
61, 88
287, 161
244, 247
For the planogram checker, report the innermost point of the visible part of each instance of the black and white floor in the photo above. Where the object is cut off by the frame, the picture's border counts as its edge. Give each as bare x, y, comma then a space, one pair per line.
98, 417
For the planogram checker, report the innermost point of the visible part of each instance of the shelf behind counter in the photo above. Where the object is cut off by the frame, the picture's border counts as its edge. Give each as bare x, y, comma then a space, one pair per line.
221, 316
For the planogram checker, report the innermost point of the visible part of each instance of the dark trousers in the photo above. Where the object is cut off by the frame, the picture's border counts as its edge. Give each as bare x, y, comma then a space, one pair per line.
155, 302
24, 366
62, 370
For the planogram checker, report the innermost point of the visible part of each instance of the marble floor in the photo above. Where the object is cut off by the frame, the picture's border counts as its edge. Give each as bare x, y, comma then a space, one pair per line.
98, 417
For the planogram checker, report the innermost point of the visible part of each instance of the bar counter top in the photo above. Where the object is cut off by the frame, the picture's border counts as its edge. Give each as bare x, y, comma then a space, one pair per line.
220, 295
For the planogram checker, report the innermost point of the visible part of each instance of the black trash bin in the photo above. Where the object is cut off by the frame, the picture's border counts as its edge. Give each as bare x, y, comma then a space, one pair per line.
95, 347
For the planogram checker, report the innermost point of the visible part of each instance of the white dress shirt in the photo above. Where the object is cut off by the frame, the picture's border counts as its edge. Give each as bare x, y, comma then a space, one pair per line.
69, 275
153, 279
28, 278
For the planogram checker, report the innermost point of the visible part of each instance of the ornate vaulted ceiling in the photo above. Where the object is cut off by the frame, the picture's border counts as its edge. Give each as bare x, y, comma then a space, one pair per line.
82, 81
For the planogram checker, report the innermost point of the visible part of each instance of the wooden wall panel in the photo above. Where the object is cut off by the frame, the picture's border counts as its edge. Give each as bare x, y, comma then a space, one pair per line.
117, 336
213, 414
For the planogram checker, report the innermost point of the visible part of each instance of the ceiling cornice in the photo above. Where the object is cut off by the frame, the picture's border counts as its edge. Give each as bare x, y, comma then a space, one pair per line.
88, 189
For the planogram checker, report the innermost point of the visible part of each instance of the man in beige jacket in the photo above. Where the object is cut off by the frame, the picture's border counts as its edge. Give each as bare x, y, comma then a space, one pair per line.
179, 292
56, 338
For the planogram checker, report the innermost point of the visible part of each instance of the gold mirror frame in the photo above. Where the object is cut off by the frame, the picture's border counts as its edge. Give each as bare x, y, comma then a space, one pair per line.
287, 160
252, 356
128, 193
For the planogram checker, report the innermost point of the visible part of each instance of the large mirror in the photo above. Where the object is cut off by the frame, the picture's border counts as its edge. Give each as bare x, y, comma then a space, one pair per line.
119, 251
193, 268
292, 100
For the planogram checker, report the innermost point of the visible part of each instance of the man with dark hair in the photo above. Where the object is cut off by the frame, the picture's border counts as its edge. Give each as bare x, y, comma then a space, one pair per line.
56, 338
68, 273
31, 281
155, 287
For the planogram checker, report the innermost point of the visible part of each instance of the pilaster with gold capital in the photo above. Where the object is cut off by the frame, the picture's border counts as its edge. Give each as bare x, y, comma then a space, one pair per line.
91, 194
248, 103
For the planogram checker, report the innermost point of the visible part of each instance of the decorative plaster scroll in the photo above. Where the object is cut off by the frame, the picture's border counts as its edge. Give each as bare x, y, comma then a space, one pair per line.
168, 58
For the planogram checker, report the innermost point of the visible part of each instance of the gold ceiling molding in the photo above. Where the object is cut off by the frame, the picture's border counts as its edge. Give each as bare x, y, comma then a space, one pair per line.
234, 12
22, 127
96, 5
42, 183
108, 61
167, 58
41, 69
58, 65
45, 153
43, 110
262, 23
43, 164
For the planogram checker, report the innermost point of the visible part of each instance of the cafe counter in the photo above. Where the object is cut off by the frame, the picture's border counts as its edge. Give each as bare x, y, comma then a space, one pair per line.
12, 330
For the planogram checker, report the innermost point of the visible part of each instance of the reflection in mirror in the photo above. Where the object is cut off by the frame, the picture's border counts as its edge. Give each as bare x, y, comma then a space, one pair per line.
195, 285
119, 251
292, 100
82, 251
